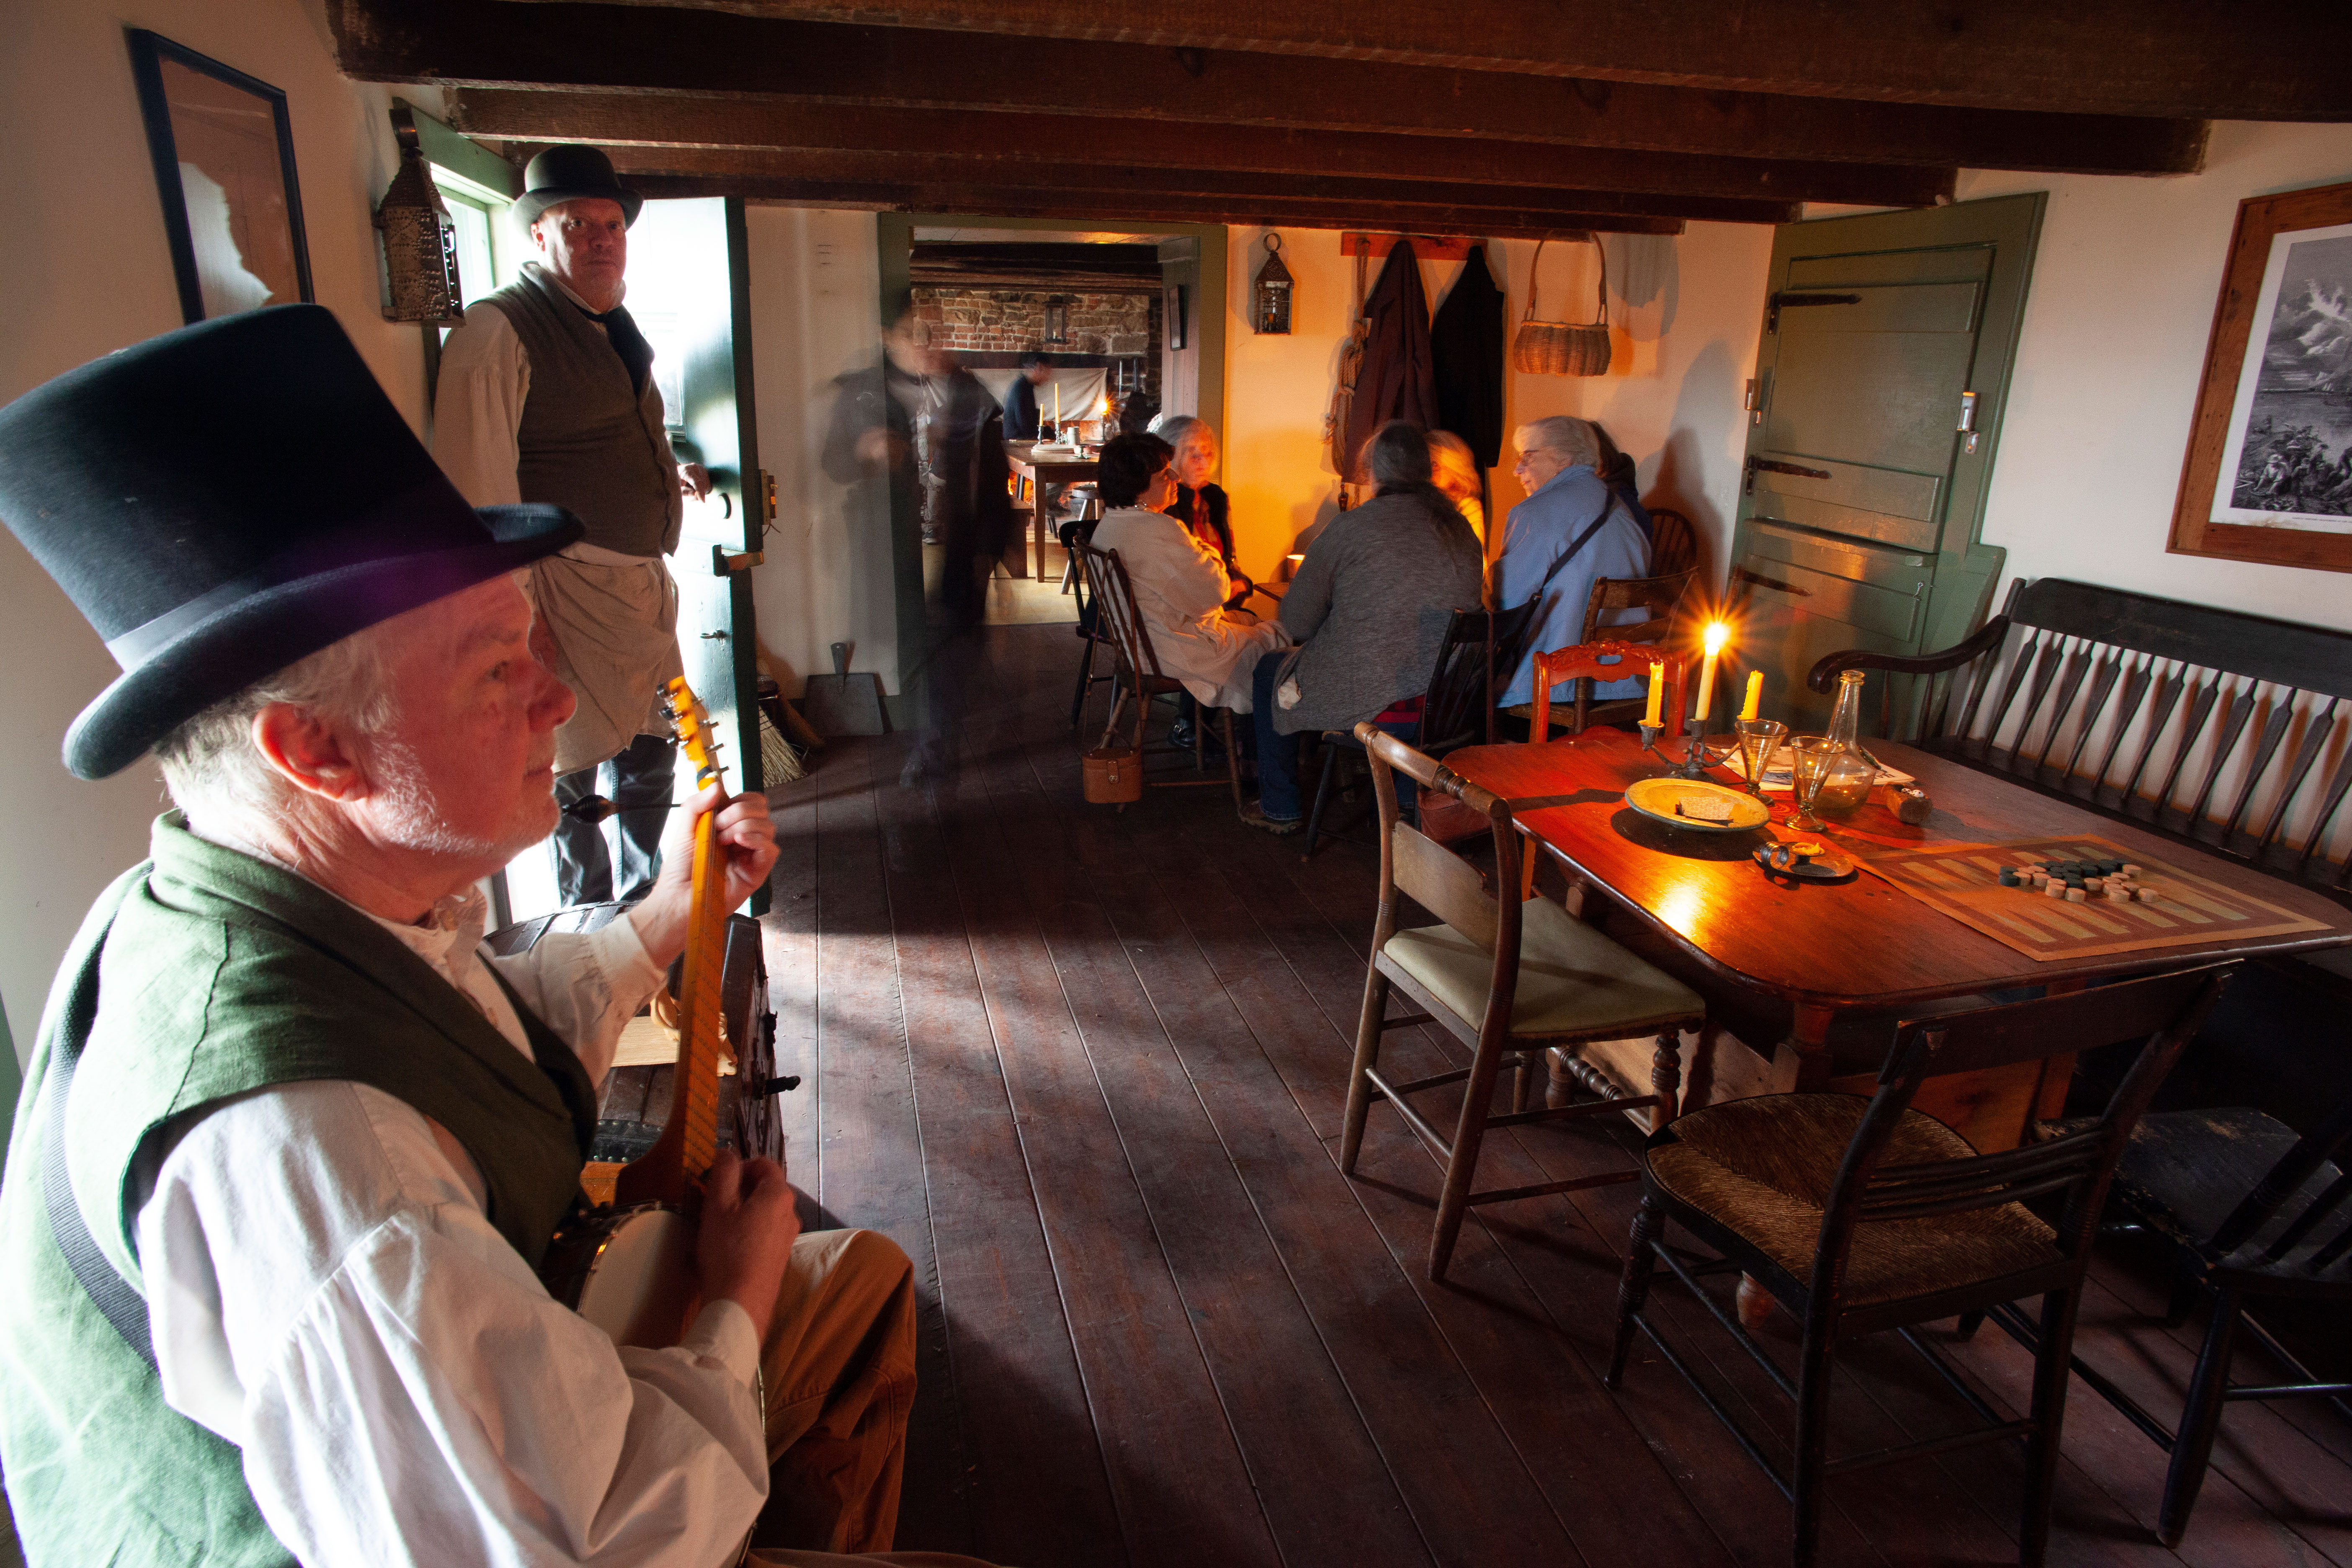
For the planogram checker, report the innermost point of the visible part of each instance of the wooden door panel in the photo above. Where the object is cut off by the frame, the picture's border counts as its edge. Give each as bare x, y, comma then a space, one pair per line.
1887, 399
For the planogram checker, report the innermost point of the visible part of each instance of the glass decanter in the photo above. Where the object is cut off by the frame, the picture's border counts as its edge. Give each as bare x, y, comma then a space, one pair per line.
1847, 775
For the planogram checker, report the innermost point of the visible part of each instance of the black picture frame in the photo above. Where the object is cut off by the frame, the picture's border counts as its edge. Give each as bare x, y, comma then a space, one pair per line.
1172, 313
257, 217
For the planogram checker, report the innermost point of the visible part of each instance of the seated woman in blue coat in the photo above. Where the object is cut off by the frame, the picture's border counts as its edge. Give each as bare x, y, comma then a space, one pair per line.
1571, 530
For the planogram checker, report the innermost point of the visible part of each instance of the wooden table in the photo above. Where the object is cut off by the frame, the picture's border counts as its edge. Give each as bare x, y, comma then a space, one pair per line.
1033, 474
1806, 959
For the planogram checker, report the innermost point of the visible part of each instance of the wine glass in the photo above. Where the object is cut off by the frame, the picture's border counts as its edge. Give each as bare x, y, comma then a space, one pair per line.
1813, 756
1758, 739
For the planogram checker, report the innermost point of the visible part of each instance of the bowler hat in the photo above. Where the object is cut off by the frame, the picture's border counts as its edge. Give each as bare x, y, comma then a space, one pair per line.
572, 174
225, 499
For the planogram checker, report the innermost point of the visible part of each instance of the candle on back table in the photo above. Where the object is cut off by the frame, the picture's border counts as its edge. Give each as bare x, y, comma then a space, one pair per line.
1755, 694
1716, 633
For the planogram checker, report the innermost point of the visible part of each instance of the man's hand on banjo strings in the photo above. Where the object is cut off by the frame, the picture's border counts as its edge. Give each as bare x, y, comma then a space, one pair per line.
745, 1240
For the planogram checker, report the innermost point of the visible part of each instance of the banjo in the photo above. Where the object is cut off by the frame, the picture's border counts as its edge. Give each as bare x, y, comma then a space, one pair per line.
627, 1266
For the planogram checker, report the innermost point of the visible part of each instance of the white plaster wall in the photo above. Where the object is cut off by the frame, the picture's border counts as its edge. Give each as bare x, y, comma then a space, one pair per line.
815, 288
2116, 323
87, 272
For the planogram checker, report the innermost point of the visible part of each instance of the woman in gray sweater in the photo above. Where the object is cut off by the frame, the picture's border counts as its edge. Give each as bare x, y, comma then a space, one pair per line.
1369, 609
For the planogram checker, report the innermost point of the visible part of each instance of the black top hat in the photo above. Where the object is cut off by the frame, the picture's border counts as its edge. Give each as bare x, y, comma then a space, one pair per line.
570, 174
228, 499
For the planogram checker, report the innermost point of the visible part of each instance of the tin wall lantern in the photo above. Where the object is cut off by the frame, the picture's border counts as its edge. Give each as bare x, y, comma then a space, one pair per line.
1270, 311
418, 244
1058, 320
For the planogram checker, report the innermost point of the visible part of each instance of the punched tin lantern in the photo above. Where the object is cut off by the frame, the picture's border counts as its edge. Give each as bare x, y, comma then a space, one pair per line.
1270, 306
419, 244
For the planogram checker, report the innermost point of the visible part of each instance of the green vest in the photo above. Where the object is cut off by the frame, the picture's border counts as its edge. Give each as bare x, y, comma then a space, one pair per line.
216, 974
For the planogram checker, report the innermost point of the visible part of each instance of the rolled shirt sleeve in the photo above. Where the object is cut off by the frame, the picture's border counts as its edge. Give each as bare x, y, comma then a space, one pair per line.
478, 407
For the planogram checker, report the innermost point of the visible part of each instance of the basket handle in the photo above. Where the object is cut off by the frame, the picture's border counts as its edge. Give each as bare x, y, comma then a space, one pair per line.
1601, 291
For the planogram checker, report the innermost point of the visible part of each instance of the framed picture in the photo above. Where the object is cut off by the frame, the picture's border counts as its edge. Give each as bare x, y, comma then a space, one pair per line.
1173, 314
224, 152
2269, 472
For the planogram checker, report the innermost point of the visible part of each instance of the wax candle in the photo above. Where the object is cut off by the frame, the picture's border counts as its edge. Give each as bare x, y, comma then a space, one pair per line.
1057, 411
1716, 633
1755, 694
1657, 697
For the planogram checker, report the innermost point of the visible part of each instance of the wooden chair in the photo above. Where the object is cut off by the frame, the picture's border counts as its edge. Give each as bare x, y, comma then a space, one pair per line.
1458, 707
1509, 979
1864, 1216
1139, 677
1674, 544
1582, 665
1659, 599
2247, 1208
1089, 623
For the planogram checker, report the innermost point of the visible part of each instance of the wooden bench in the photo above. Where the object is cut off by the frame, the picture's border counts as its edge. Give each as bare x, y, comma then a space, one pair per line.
2230, 731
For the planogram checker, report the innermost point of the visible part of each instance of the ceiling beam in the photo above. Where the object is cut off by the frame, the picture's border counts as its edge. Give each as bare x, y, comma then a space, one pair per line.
1101, 207
504, 43
2290, 60
616, 119
1049, 179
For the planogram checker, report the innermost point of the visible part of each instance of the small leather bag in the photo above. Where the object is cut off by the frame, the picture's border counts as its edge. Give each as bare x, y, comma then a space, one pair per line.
1563, 347
1113, 774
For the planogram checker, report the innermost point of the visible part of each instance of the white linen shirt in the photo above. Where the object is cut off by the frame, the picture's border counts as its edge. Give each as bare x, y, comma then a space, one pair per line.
326, 1292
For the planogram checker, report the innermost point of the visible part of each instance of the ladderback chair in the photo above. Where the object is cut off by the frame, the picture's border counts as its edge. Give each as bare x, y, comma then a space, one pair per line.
1140, 679
1863, 1216
1094, 642
1674, 544
1458, 707
1582, 665
2251, 1212
1504, 978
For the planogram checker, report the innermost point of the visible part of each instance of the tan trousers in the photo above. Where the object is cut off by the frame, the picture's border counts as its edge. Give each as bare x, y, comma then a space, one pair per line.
839, 1363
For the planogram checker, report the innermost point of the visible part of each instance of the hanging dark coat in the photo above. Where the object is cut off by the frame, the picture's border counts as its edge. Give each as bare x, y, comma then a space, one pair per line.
1466, 351
1395, 382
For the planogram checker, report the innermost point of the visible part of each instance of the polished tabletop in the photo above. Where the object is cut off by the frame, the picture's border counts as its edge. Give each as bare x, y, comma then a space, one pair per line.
1859, 943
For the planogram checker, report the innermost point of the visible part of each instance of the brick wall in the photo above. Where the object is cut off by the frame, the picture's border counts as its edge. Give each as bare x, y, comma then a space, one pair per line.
1008, 320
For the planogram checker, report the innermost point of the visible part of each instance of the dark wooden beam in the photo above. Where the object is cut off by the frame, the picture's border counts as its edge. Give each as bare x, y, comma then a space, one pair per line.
893, 168
1100, 207
502, 43
2290, 60
616, 119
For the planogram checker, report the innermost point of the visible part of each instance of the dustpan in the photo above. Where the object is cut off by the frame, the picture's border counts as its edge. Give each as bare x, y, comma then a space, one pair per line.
842, 703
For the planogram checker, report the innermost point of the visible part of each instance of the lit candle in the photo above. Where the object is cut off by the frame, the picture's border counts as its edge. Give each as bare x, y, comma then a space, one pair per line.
1657, 696
1755, 694
1717, 632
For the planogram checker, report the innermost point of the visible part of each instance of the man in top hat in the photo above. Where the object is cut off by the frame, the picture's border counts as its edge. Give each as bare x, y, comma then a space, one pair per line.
292, 1144
548, 395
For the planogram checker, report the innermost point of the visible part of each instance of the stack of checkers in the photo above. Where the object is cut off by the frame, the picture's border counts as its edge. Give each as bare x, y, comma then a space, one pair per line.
2080, 880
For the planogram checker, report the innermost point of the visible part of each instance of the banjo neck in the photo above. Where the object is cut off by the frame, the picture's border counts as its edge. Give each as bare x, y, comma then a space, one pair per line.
690, 1138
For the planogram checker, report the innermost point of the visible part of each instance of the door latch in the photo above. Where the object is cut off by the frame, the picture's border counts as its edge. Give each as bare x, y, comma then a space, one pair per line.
722, 563
1967, 426
1754, 407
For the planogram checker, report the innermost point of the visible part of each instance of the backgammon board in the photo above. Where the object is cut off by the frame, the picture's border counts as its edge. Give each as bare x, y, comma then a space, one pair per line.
1964, 882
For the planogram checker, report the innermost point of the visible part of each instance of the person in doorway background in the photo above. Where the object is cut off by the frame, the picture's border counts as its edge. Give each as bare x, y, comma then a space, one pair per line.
547, 393
1021, 397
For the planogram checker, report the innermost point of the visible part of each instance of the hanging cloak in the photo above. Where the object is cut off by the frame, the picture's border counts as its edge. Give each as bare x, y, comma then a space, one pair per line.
1466, 352
1395, 382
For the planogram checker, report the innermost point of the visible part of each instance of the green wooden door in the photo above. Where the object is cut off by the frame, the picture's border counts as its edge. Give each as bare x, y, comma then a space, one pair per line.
1882, 371
687, 271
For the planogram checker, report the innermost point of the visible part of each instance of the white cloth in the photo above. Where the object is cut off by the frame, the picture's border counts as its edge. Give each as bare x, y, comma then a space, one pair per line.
1181, 589
327, 1293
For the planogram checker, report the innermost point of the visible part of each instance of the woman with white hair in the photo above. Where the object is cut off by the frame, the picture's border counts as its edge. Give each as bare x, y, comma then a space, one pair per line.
1571, 530
1369, 608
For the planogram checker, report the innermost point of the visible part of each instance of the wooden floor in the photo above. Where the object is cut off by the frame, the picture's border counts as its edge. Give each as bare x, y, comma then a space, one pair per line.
1087, 1068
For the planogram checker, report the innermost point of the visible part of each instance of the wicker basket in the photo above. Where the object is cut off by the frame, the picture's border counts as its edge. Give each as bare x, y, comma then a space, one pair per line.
1114, 775
1563, 347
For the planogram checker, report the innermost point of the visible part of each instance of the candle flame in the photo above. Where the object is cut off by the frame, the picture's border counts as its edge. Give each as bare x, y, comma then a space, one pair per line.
1717, 634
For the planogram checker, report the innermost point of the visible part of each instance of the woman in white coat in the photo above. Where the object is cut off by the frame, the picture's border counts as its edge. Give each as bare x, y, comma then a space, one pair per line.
1181, 583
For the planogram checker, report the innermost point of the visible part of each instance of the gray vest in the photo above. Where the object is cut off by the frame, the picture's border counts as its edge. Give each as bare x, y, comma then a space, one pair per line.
588, 444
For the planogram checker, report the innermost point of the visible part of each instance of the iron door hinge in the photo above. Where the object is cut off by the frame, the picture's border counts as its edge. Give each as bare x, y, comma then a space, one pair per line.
1790, 300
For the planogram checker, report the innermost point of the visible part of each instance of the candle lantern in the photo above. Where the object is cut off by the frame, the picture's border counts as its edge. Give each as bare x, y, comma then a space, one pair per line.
1270, 312
1058, 320
418, 244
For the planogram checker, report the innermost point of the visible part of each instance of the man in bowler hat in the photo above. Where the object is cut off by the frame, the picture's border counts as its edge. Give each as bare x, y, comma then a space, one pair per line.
293, 1141
546, 393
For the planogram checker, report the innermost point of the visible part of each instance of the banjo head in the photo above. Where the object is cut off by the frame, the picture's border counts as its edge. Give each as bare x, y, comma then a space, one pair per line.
629, 1271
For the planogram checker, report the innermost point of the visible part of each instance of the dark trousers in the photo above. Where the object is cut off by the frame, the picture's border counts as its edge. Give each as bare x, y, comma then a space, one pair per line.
641, 780
1278, 793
